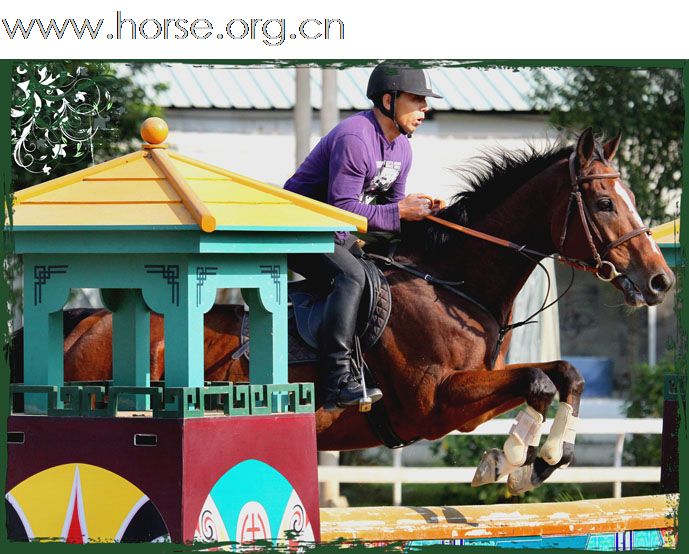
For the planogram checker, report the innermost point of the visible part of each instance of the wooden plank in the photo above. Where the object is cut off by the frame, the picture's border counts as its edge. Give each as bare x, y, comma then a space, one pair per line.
227, 190
194, 205
501, 520
342, 216
60, 182
101, 215
428, 475
143, 168
667, 233
230, 217
111, 191
279, 217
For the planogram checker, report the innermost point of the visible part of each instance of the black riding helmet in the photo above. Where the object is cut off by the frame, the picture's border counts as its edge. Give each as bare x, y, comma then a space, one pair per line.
394, 78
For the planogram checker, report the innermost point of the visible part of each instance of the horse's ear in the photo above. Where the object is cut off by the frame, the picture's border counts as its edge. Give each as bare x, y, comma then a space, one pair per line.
585, 147
610, 147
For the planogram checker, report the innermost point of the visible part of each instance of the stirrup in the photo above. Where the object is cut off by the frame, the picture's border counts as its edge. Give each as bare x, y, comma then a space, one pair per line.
369, 397
366, 401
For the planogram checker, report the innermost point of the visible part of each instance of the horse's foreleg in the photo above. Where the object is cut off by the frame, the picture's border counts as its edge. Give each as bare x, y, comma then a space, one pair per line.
558, 450
473, 397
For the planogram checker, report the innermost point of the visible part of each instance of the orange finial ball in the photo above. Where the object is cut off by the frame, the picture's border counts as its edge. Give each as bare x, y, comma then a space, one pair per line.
154, 130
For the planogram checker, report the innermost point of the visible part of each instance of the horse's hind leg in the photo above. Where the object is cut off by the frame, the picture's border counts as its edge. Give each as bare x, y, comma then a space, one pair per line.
558, 449
472, 397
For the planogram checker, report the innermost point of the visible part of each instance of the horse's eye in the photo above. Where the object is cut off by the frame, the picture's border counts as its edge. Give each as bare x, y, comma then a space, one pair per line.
605, 205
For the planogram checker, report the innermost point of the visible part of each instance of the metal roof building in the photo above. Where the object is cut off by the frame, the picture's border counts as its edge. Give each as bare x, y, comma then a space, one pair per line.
262, 87
243, 114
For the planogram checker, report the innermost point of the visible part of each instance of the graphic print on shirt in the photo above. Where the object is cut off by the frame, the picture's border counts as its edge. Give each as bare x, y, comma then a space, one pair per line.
386, 174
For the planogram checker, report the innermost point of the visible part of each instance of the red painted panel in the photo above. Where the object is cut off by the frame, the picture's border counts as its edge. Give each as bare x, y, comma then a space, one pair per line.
286, 442
188, 459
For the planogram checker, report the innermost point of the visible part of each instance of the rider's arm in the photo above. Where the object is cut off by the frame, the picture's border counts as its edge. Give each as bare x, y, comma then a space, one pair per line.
397, 191
410, 207
348, 174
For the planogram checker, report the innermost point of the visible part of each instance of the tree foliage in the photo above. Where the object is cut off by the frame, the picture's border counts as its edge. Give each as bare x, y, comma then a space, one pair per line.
68, 115
645, 400
646, 105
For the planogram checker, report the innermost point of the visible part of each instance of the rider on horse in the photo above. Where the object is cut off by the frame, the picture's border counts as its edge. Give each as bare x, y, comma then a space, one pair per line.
361, 166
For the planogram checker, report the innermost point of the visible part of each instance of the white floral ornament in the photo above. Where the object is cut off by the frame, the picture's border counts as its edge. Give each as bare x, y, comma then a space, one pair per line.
56, 115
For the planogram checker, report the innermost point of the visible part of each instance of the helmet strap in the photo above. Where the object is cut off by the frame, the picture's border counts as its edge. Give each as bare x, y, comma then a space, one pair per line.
391, 112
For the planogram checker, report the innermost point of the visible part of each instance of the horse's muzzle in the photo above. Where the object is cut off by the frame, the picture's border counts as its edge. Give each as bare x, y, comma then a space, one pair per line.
661, 283
651, 294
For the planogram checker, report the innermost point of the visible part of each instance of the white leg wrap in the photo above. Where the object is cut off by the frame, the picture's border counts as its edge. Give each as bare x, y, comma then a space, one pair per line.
525, 432
564, 429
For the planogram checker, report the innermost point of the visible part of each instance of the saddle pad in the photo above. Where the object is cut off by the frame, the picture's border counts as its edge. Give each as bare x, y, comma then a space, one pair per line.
302, 325
298, 352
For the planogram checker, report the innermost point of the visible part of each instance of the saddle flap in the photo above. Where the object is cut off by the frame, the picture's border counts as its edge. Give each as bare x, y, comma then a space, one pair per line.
306, 315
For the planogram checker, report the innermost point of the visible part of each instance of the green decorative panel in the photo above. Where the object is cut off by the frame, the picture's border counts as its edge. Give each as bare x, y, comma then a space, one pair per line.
117, 394
70, 397
259, 400
240, 404
104, 400
94, 401
46, 395
179, 402
217, 396
306, 399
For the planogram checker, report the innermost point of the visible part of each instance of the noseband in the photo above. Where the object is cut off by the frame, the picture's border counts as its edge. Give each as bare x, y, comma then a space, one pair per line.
603, 269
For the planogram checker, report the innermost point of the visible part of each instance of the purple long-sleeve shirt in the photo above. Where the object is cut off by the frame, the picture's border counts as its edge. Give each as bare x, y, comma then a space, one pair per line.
353, 165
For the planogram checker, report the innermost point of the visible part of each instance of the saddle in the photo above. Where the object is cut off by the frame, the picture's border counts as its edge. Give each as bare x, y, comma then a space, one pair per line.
305, 314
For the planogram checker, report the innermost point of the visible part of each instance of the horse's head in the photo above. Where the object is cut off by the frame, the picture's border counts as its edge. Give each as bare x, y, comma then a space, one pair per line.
595, 221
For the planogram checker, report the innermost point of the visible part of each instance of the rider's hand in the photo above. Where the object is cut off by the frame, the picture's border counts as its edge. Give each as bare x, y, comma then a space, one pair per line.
414, 207
438, 205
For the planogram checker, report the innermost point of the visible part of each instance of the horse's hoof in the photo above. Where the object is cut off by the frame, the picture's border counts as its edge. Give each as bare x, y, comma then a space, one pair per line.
488, 468
520, 480
492, 467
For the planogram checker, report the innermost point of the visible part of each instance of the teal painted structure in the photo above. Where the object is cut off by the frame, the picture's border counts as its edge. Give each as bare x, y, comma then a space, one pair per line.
180, 283
160, 232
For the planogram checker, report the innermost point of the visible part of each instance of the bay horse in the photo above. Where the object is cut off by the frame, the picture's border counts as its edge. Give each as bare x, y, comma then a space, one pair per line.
441, 360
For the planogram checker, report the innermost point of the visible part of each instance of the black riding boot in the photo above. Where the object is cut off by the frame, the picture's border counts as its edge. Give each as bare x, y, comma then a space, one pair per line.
343, 385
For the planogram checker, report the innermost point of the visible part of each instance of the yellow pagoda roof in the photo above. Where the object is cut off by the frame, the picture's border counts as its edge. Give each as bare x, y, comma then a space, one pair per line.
157, 188
666, 234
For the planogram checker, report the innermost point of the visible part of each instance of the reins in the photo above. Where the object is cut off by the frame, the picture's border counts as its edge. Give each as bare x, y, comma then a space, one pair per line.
587, 221
603, 269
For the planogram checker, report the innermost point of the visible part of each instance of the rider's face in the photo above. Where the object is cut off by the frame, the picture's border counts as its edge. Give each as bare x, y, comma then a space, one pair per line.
410, 111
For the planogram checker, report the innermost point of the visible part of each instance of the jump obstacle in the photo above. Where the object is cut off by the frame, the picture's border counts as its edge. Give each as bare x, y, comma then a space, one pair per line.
186, 460
608, 524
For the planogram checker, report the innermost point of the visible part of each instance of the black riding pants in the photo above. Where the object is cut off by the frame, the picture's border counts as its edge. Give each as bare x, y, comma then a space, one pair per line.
340, 274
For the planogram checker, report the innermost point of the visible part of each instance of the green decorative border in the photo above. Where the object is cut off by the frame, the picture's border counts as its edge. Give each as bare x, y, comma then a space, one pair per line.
104, 400
241, 392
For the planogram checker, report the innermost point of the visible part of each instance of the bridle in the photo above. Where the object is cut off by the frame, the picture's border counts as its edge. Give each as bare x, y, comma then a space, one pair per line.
602, 268
590, 227
599, 266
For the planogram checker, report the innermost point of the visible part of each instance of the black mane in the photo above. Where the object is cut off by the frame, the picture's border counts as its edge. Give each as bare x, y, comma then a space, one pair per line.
489, 180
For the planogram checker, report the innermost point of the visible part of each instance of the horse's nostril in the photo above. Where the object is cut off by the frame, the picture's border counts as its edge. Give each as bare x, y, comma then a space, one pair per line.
660, 283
